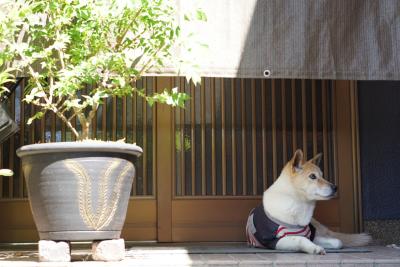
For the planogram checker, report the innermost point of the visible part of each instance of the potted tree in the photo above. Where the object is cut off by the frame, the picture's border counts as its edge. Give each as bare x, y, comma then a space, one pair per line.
77, 53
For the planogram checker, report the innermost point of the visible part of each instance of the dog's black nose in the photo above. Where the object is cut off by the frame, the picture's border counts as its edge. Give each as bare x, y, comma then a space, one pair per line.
334, 188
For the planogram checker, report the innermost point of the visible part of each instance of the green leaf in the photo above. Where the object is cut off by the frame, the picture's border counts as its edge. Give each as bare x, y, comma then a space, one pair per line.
200, 15
150, 101
38, 115
178, 31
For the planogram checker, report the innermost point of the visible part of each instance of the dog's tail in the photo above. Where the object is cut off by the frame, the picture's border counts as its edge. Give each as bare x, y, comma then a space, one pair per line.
348, 240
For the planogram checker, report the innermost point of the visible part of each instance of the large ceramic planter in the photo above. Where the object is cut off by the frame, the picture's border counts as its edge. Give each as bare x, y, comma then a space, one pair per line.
79, 190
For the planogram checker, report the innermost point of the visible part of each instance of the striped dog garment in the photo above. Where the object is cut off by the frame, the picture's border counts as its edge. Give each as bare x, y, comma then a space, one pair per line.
264, 232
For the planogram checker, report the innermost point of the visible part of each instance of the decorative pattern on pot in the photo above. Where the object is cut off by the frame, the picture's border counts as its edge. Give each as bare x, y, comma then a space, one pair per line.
107, 203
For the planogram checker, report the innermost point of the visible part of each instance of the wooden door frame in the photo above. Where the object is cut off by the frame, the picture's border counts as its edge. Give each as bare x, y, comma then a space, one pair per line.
164, 163
347, 154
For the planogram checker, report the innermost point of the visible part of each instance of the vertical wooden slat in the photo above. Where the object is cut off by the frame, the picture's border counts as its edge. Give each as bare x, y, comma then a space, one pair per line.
144, 127
11, 152
283, 108
233, 107
294, 115
63, 131
43, 128
325, 128
21, 137
182, 140
134, 115
94, 126
253, 134
154, 146
114, 119
314, 117
124, 131
223, 137
173, 141
335, 138
104, 121
304, 116
134, 130
264, 134
31, 130
273, 114
203, 138
213, 157
243, 122
193, 136
53, 127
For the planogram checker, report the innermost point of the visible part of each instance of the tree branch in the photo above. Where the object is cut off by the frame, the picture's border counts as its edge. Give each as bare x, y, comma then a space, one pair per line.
121, 37
92, 113
151, 59
68, 123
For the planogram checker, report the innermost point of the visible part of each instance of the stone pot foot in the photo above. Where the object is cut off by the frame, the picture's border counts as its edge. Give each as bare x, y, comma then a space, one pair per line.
51, 251
108, 250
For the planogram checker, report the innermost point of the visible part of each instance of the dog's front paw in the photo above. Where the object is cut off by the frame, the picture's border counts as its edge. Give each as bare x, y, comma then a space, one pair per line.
317, 250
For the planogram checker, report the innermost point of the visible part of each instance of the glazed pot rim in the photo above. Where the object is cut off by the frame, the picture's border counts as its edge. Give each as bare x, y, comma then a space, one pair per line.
80, 146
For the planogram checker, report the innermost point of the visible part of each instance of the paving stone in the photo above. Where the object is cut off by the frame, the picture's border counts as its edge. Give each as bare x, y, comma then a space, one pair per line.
219, 260
160, 260
251, 260
260, 264
358, 263
388, 261
290, 259
323, 264
328, 260
51, 251
289, 264
285, 257
196, 260
108, 250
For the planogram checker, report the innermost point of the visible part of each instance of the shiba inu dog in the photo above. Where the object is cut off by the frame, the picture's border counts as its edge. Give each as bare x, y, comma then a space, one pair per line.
284, 219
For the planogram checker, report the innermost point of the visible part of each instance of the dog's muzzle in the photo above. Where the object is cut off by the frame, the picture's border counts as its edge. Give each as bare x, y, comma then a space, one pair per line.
334, 188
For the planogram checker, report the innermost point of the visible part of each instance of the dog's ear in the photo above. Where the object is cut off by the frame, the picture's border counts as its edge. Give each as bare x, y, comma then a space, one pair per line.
317, 159
297, 160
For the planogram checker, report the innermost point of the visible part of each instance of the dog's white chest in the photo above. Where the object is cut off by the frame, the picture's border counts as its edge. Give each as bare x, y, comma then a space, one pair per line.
287, 209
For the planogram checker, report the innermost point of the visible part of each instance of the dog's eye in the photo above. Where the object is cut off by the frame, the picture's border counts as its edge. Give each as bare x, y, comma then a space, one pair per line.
312, 176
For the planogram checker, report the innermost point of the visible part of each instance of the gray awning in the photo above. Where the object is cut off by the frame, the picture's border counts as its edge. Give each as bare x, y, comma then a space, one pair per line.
317, 39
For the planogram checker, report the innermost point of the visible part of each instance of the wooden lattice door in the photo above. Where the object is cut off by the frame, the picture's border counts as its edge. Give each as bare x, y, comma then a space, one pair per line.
231, 141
